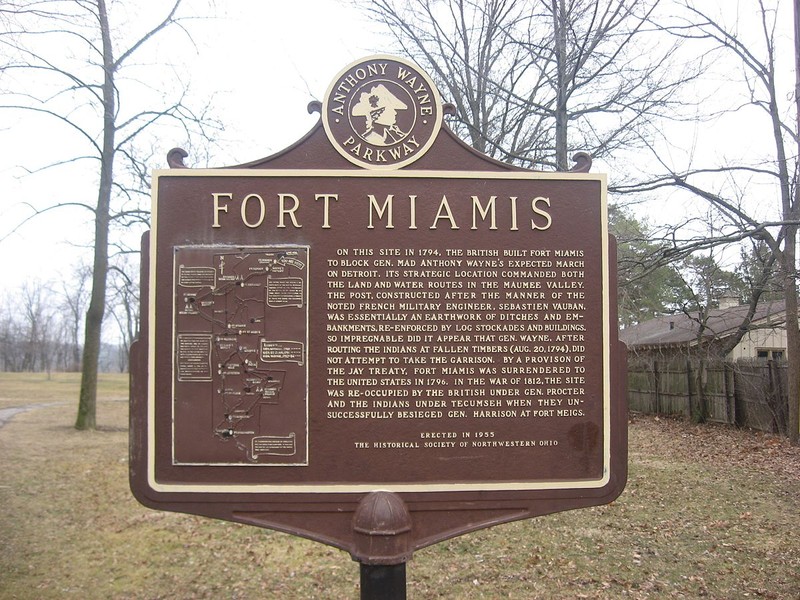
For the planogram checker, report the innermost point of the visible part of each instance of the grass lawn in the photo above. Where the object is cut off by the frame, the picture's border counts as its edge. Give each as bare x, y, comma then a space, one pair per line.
709, 512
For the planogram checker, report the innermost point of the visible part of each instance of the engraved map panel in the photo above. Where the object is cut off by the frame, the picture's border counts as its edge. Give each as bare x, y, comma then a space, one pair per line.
240, 355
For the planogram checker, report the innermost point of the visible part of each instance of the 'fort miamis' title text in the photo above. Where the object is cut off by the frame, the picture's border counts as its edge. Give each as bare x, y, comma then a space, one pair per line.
286, 210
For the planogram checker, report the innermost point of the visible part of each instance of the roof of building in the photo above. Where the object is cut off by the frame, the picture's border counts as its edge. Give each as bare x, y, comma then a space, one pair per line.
682, 328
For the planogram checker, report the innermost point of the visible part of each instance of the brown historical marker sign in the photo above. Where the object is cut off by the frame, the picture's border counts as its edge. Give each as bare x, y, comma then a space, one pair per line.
323, 325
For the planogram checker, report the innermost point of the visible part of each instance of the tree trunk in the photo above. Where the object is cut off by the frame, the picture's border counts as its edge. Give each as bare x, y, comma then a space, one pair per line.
87, 404
790, 261
560, 34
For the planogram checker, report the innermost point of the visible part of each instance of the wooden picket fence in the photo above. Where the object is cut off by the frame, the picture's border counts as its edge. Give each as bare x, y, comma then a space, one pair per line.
743, 393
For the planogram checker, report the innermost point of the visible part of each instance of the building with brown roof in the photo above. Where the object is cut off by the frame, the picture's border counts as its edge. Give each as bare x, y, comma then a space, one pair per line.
686, 334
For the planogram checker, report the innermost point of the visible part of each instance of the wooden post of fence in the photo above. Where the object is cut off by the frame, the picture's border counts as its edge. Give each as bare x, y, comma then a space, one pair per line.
657, 388
689, 388
702, 412
783, 408
770, 398
775, 397
739, 409
728, 382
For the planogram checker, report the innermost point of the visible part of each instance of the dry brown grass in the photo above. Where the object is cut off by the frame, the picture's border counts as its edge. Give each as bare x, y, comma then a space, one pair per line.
709, 512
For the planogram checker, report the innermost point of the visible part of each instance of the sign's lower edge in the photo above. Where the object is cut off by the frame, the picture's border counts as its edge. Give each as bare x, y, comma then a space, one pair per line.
512, 486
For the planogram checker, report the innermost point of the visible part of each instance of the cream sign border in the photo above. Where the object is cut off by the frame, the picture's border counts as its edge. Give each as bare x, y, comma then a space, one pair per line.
327, 488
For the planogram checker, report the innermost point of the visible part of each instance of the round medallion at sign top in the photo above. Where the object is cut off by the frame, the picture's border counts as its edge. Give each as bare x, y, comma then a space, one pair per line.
382, 112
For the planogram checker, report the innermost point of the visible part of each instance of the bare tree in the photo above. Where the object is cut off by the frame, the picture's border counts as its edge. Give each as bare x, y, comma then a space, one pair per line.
83, 74
531, 78
13, 331
739, 190
124, 287
35, 302
610, 75
74, 297
478, 67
